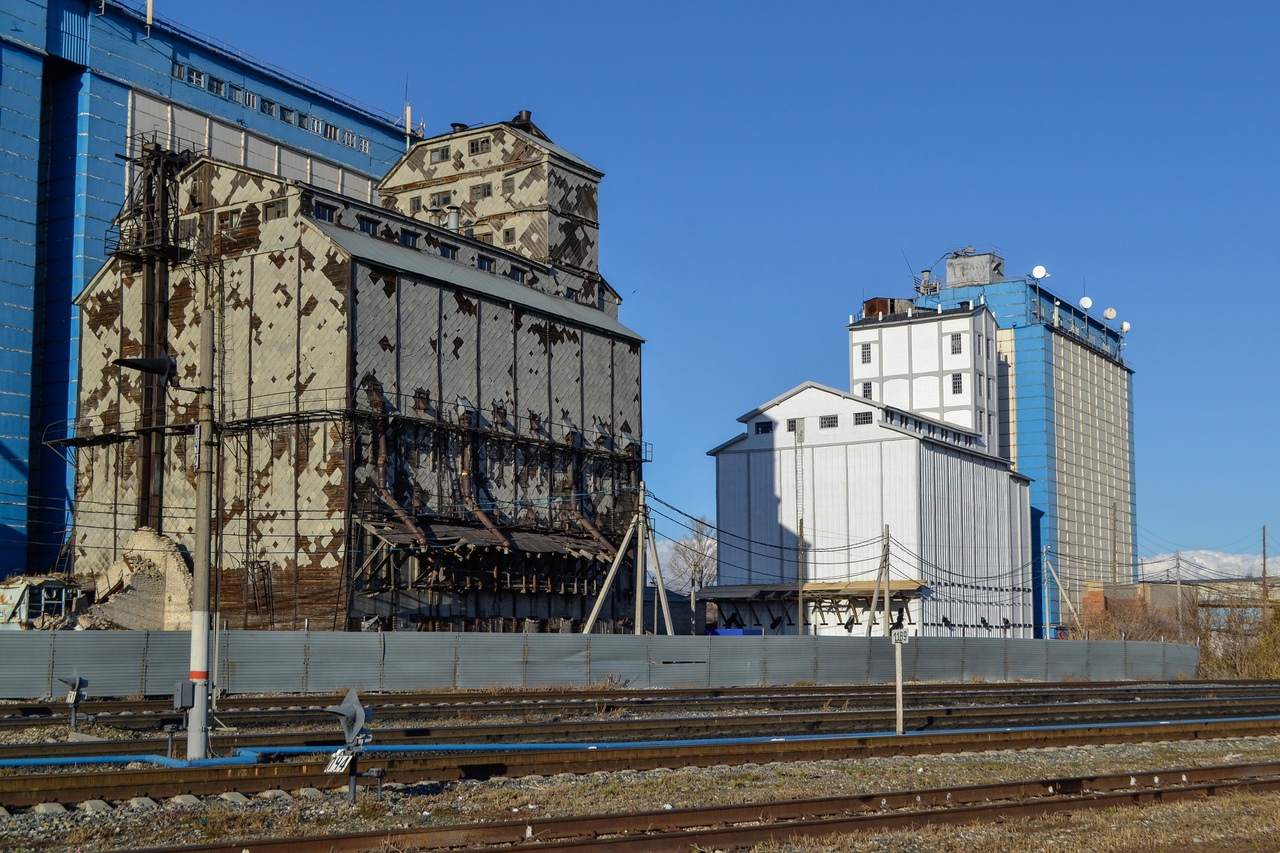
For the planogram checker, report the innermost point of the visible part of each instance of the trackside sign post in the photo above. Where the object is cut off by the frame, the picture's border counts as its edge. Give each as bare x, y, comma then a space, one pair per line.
899, 636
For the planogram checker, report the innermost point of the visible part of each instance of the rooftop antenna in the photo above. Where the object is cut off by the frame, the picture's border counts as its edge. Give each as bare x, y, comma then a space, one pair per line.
149, 19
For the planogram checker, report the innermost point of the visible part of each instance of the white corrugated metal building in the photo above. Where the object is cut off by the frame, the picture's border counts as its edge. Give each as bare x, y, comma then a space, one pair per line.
958, 549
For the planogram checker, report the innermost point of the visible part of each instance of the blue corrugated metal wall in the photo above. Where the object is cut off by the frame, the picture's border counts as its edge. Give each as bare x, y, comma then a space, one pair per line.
20, 100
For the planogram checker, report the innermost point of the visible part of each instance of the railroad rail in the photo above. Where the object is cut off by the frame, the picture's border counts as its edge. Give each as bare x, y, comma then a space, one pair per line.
482, 763
568, 700
721, 827
322, 735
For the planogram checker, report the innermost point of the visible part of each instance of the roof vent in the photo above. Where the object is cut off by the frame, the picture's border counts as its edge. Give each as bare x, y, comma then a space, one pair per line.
458, 127
524, 116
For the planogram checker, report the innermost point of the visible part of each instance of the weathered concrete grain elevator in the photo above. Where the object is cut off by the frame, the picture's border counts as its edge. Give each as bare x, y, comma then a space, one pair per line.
428, 413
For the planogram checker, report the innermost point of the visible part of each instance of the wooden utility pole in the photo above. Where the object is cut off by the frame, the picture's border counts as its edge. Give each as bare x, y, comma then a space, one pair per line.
1266, 596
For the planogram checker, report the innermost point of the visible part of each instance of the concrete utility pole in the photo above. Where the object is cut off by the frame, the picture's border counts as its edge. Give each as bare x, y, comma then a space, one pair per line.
207, 445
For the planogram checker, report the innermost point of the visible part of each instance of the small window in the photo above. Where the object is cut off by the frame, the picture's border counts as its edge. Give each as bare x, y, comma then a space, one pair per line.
508, 186
484, 263
441, 200
349, 138
517, 275
277, 209
303, 120
317, 125
331, 132
480, 146
990, 388
363, 147
440, 155
480, 191
415, 204
508, 235
791, 424
828, 422
571, 293
485, 237
866, 353
179, 71
861, 418
267, 108
978, 384
286, 115
408, 238
368, 226
251, 100
955, 343
866, 390
957, 383
236, 94
217, 87
977, 345
764, 427
449, 253
228, 219
325, 212
195, 78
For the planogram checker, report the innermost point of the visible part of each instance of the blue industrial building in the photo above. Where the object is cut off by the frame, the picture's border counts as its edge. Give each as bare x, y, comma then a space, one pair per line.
1066, 422
81, 83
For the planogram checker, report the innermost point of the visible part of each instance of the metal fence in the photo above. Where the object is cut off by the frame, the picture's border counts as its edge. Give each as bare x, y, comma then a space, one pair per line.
132, 663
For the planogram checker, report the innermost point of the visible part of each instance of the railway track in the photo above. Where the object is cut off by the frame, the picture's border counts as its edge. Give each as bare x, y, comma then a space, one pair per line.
729, 827
451, 765
323, 736
572, 701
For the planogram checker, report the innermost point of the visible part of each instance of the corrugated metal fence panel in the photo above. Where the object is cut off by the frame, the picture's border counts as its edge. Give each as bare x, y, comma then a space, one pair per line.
168, 662
121, 663
841, 660
557, 659
735, 661
679, 661
341, 661
491, 660
936, 661
28, 666
618, 660
790, 660
880, 668
419, 661
113, 662
1071, 660
262, 662
1179, 661
1027, 659
982, 659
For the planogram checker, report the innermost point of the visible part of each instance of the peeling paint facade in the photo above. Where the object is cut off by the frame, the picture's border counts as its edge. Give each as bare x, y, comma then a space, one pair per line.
421, 426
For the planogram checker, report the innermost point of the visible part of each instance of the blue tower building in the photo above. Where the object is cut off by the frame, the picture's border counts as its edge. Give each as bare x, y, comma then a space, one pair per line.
82, 84
1066, 402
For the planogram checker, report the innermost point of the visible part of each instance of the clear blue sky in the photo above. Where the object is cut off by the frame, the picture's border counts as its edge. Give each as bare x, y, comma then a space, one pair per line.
768, 165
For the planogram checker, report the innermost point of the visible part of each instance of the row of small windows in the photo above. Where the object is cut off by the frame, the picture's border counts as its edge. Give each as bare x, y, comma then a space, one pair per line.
368, 225
479, 145
288, 115
824, 422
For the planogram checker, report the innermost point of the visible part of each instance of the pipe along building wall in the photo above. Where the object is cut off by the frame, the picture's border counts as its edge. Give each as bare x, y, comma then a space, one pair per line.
418, 429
